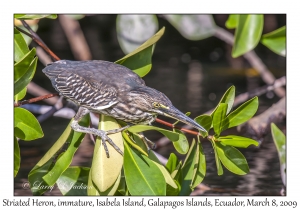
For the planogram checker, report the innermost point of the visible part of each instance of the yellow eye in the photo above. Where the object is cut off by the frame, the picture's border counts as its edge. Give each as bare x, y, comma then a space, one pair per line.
156, 105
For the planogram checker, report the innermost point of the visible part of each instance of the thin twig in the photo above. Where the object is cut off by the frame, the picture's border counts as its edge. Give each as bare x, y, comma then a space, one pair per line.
32, 100
37, 90
172, 126
39, 43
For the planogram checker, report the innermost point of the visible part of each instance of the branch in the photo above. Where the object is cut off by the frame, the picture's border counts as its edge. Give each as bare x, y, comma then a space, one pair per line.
39, 43
75, 37
252, 58
32, 100
172, 126
37, 90
32, 32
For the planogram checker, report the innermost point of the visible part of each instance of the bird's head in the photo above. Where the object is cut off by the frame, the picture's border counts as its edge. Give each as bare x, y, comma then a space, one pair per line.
158, 103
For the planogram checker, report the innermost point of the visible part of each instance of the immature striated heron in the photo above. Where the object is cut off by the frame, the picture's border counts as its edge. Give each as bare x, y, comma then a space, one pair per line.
113, 90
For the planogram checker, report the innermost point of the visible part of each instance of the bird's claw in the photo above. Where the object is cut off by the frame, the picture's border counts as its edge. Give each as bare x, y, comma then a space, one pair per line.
104, 137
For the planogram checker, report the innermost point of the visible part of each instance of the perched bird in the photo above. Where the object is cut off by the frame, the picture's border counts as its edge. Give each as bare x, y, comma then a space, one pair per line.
113, 90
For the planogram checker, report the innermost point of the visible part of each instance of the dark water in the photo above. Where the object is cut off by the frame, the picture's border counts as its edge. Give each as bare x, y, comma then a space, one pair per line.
194, 75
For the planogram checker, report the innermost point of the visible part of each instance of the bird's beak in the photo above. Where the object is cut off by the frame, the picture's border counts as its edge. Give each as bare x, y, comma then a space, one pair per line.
178, 115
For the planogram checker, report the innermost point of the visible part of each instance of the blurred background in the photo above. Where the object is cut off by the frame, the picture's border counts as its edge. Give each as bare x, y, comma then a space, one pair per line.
194, 74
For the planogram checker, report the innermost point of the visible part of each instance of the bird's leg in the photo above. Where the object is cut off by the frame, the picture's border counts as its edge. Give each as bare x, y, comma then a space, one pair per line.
147, 142
102, 134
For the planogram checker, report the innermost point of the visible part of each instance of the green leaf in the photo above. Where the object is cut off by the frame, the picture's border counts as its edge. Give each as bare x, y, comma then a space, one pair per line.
280, 142
232, 21
20, 84
105, 171
178, 138
134, 30
237, 141
20, 46
232, 159
182, 144
242, 114
20, 95
65, 158
169, 180
199, 174
32, 17
26, 126
21, 67
143, 177
94, 191
172, 163
57, 159
276, 41
227, 98
219, 118
206, 122
218, 163
247, 34
190, 168
177, 173
74, 181
136, 143
193, 27
173, 136
139, 60
17, 157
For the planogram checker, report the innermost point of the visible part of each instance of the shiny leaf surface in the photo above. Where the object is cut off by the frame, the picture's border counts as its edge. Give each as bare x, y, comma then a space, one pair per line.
142, 176
276, 41
237, 141
232, 21
139, 60
32, 17
248, 33
227, 98
20, 84
73, 181
26, 126
105, 171
280, 142
20, 46
242, 114
219, 118
232, 159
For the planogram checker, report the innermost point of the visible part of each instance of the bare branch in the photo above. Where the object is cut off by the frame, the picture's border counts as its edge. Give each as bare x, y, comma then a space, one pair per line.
43, 56
32, 100
37, 90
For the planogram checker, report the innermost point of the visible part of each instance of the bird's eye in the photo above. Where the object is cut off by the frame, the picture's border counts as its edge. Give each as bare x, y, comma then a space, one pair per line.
156, 105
